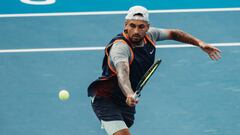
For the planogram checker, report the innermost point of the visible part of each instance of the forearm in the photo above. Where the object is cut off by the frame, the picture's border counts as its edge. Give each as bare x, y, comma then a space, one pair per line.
123, 78
184, 37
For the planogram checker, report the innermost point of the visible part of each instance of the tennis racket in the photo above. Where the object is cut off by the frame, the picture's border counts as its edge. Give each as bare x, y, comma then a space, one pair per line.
145, 78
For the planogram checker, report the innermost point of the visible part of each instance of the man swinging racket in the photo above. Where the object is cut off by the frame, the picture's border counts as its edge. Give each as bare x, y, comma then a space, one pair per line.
128, 57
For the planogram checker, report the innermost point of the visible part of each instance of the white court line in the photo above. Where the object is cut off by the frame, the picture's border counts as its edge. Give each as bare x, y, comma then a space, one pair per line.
102, 48
119, 12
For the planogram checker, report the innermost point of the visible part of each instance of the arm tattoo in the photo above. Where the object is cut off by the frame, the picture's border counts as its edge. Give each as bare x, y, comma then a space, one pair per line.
181, 36
123, 78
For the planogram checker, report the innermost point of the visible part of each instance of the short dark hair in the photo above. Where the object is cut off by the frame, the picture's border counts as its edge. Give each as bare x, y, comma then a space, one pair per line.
138, 14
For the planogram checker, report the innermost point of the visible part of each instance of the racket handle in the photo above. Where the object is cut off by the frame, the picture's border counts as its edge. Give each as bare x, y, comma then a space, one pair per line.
135, 96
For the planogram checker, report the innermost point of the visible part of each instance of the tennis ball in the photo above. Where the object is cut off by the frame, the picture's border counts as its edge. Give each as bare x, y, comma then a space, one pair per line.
63, 95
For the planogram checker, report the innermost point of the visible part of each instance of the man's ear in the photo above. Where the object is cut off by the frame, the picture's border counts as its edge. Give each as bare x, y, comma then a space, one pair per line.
125, 27
148, 25
125, 31
126, 22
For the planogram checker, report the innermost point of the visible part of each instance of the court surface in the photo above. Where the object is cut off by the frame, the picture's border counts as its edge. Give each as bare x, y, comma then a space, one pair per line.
42, 53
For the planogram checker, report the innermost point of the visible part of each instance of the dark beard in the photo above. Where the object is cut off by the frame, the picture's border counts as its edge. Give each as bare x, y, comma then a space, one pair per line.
138, 42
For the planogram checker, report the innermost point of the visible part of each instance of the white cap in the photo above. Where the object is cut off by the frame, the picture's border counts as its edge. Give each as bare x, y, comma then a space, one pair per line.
133, 11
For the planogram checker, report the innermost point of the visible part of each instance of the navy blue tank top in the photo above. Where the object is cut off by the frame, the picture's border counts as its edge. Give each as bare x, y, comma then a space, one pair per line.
141, 60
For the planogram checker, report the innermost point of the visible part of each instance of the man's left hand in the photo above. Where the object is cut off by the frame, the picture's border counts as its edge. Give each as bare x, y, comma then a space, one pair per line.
213, 52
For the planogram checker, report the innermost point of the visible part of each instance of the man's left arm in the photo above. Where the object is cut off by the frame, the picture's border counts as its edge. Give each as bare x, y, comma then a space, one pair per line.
157, 34
181, 36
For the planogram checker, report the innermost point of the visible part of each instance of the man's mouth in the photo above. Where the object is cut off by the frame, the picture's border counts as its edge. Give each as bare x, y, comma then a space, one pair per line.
136, 37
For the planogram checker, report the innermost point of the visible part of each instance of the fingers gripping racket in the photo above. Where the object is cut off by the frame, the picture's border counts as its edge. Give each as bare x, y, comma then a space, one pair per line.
145, 78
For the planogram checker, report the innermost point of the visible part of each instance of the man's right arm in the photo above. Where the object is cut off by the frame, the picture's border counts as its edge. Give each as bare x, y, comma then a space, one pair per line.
119, 56
122, 69
124, 83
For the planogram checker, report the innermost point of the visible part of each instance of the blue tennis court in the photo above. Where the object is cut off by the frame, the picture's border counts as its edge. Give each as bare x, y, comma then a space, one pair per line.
43, 53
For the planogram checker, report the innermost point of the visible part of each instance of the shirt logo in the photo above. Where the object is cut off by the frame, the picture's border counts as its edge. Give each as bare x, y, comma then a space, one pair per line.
152, 51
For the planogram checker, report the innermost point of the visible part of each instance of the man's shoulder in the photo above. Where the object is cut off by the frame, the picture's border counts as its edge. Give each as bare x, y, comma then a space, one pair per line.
157, 34
153, 29
118, 38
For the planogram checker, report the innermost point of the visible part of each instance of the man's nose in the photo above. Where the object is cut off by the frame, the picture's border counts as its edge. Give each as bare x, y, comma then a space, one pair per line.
136, 30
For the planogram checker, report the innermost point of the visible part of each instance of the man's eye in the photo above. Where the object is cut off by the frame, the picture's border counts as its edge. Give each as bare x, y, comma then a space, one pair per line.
142, 26
132, 25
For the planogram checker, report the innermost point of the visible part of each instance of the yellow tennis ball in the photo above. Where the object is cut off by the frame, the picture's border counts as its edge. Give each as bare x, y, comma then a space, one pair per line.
63, 95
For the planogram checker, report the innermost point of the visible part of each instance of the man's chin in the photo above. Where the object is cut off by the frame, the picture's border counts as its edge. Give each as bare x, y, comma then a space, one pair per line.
136, 40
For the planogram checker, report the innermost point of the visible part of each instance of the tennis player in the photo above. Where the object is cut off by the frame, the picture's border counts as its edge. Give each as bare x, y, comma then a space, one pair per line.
127, 57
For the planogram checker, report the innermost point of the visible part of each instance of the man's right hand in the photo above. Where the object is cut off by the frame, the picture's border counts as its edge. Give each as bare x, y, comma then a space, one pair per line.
131, 101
